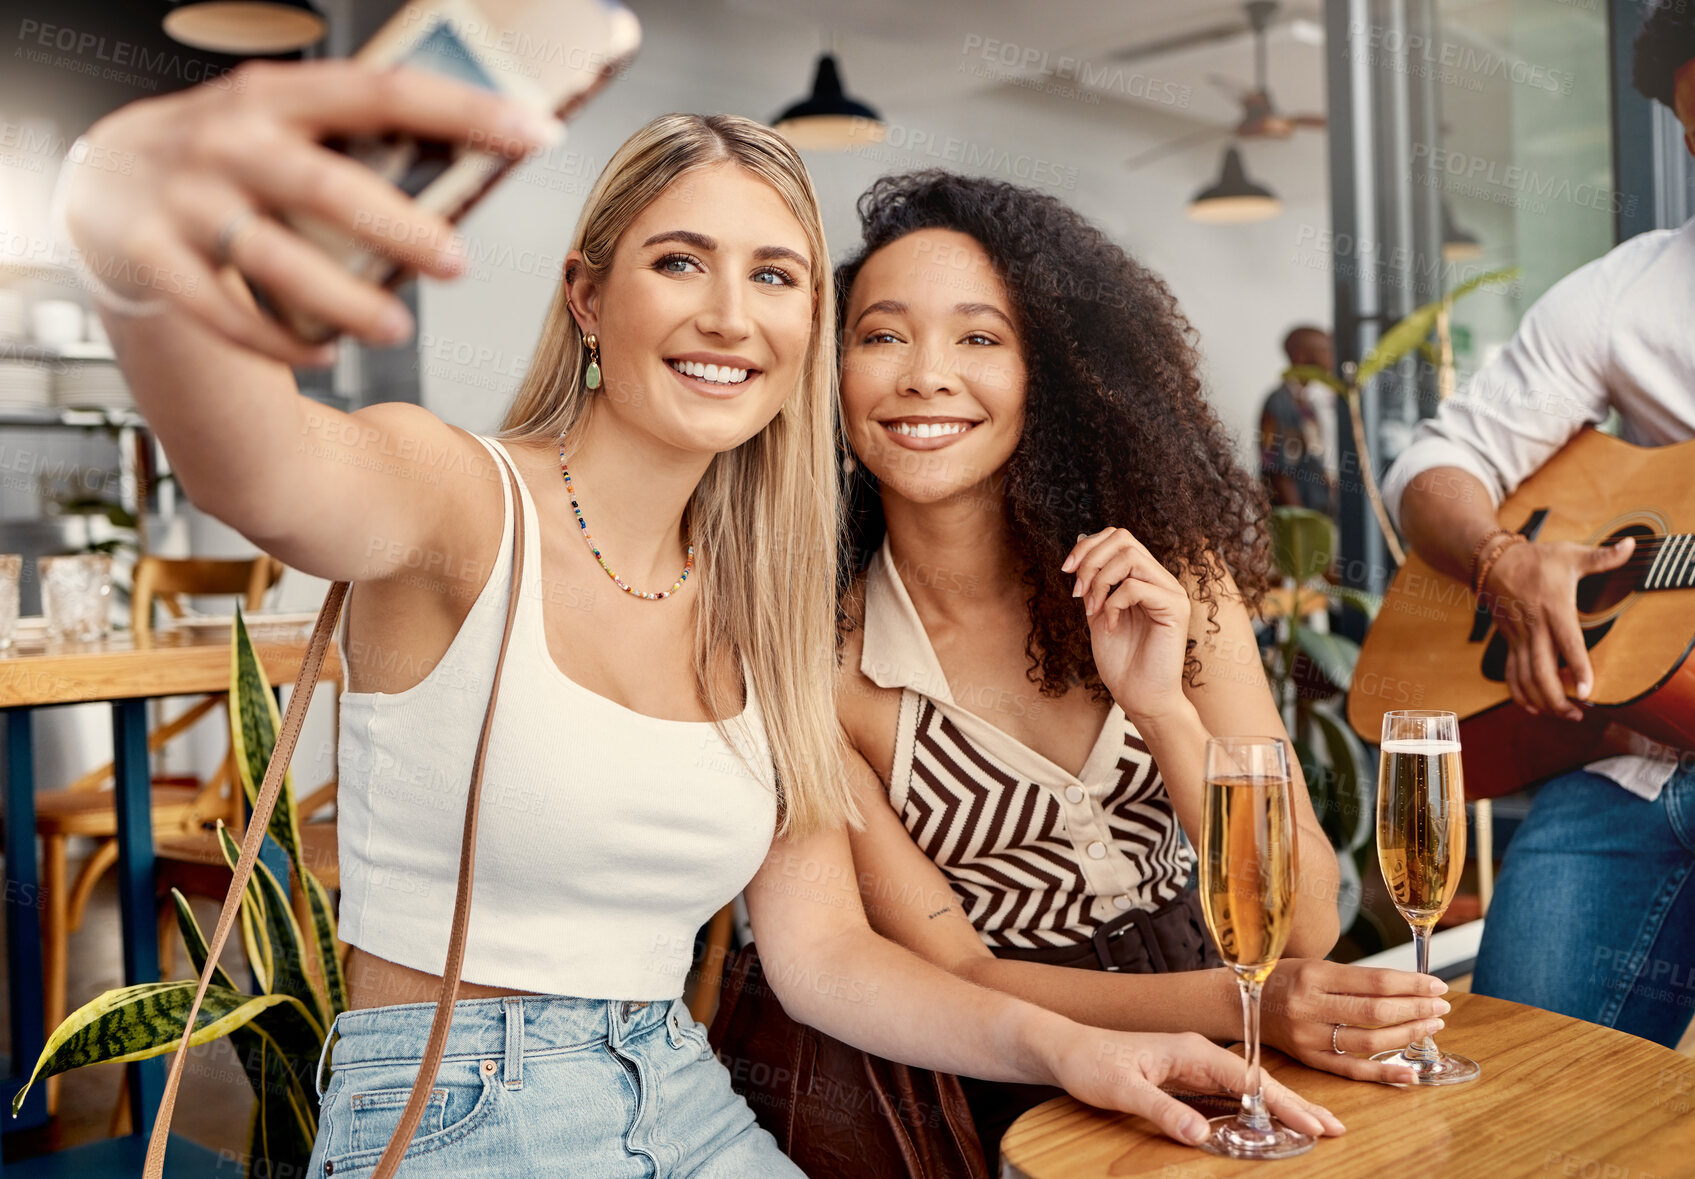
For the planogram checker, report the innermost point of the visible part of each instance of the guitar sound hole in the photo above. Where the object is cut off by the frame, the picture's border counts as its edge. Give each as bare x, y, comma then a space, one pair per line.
1600, 592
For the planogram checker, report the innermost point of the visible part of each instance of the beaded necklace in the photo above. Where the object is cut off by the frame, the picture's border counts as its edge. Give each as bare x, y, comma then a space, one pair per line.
583, 525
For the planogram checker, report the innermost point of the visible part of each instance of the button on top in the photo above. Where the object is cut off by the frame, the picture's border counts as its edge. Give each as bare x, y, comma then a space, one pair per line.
1073, 794
1097, 850
1121, 903
489, 1066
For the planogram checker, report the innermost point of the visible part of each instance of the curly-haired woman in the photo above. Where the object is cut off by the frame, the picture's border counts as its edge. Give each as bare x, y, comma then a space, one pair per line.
1054, 549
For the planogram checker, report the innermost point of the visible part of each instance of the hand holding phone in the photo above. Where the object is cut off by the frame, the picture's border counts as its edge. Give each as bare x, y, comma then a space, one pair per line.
166, 196
546, 55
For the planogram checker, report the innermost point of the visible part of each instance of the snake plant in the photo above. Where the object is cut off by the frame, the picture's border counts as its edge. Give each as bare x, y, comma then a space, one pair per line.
278, 1029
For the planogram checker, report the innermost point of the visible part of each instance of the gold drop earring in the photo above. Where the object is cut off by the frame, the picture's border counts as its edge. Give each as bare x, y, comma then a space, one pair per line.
591, 378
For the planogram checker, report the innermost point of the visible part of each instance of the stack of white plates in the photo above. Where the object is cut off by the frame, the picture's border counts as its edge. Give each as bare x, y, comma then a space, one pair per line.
24, 386
12, 318
90, 384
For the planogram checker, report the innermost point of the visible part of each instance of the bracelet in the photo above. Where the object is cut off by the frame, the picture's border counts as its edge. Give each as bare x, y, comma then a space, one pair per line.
1495, 555
97, 289
1477, 553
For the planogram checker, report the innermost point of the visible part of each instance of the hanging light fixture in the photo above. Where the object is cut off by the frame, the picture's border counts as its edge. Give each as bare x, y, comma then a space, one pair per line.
1233, 198
1458, 245
245, 28
827, 119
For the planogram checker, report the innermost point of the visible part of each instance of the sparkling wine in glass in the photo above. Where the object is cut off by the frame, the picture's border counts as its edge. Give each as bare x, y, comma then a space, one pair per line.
1421, 847
1248, 899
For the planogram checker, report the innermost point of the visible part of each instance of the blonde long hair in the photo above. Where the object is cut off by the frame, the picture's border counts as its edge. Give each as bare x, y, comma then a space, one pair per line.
765, 517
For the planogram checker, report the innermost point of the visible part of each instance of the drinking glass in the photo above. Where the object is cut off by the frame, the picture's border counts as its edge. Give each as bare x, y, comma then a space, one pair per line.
1248, 899
11, 569
75, 594
1421, 848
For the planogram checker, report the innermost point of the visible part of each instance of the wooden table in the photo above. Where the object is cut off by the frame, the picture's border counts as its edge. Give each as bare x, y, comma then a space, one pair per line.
36, 673
1557, 1097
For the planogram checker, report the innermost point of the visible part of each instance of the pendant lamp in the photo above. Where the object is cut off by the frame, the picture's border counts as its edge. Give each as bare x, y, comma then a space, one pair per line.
245, 28
827, 119
1233, 198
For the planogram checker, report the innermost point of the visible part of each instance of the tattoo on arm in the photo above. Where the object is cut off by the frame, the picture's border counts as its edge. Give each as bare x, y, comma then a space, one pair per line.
939, 912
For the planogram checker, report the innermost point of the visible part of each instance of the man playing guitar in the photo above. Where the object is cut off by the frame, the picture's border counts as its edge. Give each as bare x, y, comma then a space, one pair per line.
1594, 916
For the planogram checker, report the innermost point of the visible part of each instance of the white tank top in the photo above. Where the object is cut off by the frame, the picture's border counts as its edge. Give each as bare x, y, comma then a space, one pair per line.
606, 838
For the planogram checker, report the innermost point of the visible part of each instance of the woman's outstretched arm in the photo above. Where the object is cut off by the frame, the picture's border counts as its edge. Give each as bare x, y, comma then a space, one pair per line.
337, 495
907, 899
832, 971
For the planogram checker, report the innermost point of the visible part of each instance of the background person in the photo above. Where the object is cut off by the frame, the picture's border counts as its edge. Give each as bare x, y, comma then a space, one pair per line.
1594, 913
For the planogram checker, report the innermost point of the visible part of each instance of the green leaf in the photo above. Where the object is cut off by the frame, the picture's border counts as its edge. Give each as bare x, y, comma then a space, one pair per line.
279, 1052
1367, 604
196, 942
1403, 339
1505, 274
323, 935
253, 919
1303, 542
1350, 763
143, 1021
276, 1145
286, 951
1312, 372
1334, 655
1398, 342
254, 724
280, 1081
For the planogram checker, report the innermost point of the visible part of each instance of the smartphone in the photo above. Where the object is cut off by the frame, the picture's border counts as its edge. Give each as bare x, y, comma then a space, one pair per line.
552, 55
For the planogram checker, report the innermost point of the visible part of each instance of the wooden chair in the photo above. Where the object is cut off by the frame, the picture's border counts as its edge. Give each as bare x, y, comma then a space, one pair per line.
179, 804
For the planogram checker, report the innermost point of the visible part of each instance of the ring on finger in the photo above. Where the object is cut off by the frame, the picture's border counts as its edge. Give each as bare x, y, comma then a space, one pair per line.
1335, 1031
236, 222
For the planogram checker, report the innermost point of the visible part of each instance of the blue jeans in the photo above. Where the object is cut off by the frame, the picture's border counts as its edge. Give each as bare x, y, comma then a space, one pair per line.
1595, 913
537, 1086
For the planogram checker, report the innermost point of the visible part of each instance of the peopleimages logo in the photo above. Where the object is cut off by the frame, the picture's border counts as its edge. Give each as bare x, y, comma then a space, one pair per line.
1453, 61
995, 55
1469, 174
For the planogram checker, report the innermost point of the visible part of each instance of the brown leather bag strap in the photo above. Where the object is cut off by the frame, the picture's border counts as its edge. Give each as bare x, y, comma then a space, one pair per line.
257, 823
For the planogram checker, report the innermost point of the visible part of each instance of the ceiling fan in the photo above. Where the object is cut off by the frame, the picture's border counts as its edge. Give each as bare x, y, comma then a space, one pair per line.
1260, 117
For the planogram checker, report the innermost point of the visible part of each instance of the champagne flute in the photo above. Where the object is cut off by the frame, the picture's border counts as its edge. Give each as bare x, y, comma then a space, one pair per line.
1421, 848
1248, 899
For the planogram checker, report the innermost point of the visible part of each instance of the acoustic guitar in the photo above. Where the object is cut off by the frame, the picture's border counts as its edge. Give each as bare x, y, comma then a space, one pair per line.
1436, 645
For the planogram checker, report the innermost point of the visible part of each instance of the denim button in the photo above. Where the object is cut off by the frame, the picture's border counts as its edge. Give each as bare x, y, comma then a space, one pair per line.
488, 1067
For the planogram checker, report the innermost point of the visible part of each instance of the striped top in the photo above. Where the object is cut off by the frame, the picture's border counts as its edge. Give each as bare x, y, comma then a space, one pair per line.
1039, 857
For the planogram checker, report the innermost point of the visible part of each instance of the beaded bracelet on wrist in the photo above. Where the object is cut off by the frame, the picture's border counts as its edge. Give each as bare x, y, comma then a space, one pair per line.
1488, 567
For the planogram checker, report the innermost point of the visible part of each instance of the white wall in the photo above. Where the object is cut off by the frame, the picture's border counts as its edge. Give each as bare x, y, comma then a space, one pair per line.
1242, 286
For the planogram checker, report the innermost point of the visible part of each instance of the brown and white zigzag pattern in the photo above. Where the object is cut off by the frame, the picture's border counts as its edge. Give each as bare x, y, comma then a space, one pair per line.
997, 837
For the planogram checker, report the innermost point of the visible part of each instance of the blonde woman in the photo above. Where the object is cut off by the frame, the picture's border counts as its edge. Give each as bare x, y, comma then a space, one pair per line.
654, 752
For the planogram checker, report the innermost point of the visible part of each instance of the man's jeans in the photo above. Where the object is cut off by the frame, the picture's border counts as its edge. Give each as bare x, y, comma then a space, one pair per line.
1595, 913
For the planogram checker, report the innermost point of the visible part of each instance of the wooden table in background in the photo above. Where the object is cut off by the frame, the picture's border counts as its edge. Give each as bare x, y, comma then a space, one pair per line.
37, 674
1558, 1097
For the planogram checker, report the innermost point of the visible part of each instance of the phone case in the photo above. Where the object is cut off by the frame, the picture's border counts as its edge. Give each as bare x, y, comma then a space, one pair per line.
553, 55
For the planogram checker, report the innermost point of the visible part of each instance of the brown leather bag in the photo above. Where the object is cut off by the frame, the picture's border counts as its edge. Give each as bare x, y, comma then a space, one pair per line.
260, 819
841, 1113
838, 1112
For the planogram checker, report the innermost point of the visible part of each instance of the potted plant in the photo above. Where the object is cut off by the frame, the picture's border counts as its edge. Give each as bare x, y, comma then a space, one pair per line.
277, 1028
1310, 669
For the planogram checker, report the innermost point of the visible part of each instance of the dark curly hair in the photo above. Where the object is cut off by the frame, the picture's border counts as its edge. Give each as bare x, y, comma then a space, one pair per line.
1116, 428
1665, 44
